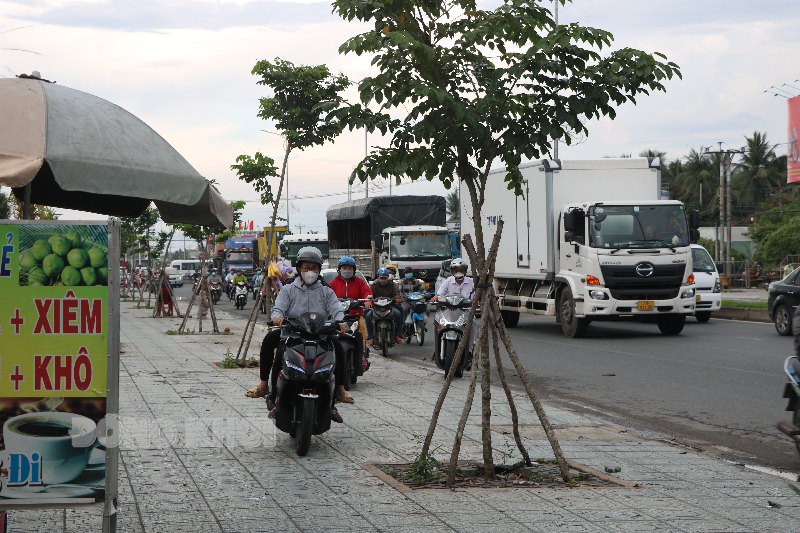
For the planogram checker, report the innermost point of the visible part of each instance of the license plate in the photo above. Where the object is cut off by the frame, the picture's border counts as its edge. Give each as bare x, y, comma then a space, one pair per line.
697, 298
647, 306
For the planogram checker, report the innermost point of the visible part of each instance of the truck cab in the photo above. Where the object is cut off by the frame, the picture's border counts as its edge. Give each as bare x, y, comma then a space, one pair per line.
626, 259
291, 244
423, 248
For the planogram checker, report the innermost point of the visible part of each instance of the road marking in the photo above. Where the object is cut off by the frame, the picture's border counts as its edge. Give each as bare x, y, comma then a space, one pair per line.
750, 338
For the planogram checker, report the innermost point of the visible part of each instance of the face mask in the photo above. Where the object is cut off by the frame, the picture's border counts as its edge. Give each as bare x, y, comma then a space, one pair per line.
346, 274
383, 281
310, 277
409, 275
459, 275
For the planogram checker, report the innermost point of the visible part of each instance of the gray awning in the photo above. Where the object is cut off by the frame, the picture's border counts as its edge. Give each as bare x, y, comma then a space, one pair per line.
81, 152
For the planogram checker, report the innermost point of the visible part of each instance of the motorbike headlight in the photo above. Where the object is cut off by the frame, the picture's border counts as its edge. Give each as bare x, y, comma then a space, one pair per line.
688, 293
326, 368
454, 300
292, 366
717, 286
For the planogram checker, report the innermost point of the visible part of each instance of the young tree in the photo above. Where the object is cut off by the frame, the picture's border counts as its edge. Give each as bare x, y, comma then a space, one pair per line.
482, 87
295, 110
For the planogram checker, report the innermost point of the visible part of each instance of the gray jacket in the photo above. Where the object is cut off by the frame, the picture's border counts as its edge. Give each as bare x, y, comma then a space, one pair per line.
296, 298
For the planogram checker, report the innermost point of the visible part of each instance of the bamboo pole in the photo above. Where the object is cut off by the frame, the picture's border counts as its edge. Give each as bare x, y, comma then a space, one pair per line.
462, 423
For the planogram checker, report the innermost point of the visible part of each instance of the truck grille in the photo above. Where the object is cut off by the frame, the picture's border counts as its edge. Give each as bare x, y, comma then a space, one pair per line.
625, 284
430, 274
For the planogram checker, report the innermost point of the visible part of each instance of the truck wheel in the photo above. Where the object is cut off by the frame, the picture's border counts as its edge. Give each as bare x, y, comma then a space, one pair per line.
571, 325
703, 316
510, 318
671, 324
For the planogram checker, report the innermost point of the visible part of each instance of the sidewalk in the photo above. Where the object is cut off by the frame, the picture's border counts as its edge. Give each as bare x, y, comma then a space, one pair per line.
217, 464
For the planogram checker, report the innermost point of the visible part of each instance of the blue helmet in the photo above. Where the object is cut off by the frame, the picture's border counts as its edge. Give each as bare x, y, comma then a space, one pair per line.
347, 261
382, 272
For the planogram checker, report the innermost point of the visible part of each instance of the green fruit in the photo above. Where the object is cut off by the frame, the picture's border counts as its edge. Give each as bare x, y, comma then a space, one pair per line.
70, 276
102, 275
76, 239
37, 275
52, 265
89, 276
58, 284
97, 258
27, 261
77, 258
61, 245
41, 249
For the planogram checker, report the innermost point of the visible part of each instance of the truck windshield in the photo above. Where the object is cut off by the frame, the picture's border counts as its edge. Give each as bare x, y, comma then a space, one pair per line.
239, 257
294, 247
701, 261
637, 226
420, 246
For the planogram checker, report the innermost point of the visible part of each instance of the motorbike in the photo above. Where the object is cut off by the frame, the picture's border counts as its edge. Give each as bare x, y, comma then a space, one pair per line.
353, 366
215, 292
306, 380
414, 324
452, 313
383, 324
240, 295
792, 393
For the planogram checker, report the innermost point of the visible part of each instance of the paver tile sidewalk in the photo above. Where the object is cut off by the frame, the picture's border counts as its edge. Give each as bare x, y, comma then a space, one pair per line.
199, 456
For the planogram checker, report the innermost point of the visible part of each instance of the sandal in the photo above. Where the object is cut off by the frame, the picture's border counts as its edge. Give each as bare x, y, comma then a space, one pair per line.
344, 398
370, 342
256, 392
273, 412
335, 416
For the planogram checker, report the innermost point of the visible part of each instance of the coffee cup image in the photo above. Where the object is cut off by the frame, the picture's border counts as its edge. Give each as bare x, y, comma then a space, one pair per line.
47, 447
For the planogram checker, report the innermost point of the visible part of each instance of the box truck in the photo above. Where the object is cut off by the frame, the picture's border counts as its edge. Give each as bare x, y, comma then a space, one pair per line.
589, 241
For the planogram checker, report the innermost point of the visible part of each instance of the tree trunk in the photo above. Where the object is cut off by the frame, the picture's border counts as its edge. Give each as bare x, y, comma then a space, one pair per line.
462, 423
509, 396
486, 398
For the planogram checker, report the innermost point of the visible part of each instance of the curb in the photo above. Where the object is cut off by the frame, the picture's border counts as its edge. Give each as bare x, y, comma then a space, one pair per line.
743, 313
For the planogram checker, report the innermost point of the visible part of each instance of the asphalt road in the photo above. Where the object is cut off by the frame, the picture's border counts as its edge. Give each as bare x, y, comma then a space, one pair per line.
716, 387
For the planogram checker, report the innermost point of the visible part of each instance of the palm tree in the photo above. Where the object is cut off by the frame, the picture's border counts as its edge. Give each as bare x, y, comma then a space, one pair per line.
653, 153
453, 206
757, 174
699, 172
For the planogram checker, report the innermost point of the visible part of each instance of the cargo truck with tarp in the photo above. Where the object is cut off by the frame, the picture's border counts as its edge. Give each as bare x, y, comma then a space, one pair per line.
391, 230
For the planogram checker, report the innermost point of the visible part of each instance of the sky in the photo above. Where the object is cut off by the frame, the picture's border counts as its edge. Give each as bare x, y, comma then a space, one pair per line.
183, 66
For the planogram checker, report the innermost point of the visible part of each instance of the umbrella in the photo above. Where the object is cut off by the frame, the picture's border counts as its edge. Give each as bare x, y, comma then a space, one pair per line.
65, 148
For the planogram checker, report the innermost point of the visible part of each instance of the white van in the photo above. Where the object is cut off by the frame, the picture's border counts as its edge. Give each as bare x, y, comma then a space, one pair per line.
186, 267
707, 284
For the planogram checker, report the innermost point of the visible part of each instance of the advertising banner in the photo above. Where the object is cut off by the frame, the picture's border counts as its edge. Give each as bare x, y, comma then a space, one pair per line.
793, 159
54, 356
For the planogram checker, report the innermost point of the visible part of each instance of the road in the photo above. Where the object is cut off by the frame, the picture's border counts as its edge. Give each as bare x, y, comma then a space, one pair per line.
717, 386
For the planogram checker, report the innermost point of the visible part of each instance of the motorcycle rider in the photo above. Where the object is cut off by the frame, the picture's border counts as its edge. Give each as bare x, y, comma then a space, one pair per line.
236, 279
348, 285
408, 284
213, 277
384, 287
305, 294
459, 283
228, 282
392, 272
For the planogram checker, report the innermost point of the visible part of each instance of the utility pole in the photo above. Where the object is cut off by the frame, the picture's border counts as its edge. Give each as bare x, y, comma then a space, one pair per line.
366, 153
555, 141
722, 247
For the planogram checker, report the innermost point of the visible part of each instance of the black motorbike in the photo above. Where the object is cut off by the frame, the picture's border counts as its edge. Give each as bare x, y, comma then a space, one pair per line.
792, 393
306, 381
451, 316
354, 369
383, 324
215, 291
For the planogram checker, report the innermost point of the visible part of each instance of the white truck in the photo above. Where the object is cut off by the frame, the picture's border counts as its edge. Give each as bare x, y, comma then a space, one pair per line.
588, 241
423, 248
291, 244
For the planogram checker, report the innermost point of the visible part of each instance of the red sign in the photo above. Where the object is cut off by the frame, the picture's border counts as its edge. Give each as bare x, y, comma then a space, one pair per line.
793, 159
202, 255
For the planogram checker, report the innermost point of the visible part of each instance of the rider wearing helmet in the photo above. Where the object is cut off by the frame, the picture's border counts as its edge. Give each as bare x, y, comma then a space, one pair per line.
392, 272
348, 285
408, 283
213, 277
304, 295
459, 283
384, 287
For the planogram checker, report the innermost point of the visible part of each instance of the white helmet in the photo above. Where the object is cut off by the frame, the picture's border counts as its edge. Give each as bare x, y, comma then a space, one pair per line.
458, 262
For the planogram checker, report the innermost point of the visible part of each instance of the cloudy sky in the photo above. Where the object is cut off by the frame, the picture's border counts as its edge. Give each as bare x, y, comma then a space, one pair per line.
183, 66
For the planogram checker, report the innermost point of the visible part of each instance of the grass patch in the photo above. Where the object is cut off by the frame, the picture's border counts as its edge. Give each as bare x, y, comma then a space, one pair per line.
232, 362
751, 305
176, 332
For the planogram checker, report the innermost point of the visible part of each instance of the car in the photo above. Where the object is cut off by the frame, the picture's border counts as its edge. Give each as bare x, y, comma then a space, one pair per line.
175, 279
328, 274
707, 284
784, 297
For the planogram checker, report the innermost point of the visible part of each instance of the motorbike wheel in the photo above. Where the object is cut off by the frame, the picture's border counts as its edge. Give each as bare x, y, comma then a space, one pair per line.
408, 333
348, 369
384, 344
449, 354
419, 327
305, 423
